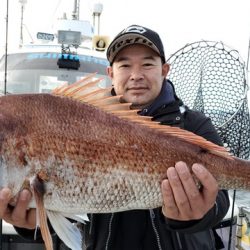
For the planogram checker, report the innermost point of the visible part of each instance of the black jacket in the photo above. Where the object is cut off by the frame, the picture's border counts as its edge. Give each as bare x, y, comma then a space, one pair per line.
149, 229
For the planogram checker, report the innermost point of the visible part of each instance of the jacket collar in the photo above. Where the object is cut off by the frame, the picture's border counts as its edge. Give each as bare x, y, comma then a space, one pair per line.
166, 96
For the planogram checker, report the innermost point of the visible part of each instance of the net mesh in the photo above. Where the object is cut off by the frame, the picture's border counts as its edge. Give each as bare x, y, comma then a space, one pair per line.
210, 77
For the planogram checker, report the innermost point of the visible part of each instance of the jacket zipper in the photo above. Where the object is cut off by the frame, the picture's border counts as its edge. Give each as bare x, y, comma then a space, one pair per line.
91, 224
109, 232
179, 241
152, 216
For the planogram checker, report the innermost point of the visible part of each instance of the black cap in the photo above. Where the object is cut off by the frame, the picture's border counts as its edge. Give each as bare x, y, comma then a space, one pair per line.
136, 34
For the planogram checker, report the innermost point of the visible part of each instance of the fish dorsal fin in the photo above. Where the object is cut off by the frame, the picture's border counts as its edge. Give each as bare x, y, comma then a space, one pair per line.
87, 90
67, 89
192, 138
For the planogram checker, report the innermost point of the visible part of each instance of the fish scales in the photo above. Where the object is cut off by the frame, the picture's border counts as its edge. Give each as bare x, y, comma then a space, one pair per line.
94, 161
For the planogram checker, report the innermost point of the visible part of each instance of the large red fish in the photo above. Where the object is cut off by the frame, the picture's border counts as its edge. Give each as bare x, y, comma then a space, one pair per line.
81, 151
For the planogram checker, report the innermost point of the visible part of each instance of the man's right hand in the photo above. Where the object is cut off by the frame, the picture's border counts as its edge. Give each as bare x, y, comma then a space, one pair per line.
19, 215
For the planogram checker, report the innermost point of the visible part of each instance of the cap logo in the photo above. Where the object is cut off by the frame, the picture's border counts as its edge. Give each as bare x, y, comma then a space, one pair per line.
136, 29
123, 43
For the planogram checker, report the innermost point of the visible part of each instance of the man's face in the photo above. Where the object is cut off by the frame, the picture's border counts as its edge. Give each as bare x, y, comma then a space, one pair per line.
137, 73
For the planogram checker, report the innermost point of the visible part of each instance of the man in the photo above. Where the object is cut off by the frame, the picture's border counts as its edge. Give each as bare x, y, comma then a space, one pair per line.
138, 72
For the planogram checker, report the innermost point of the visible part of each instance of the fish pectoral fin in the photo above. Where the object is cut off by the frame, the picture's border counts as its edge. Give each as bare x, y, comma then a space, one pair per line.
82, 218
68, 232
37, 187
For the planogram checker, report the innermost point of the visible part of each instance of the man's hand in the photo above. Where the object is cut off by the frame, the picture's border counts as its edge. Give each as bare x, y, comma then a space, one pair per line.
19, 215
182, 199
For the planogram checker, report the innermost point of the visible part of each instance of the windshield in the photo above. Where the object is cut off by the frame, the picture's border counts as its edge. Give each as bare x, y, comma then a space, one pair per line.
40, 73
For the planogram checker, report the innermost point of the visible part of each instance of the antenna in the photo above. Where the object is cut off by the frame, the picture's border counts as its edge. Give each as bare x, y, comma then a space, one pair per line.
5, 90
75, 14
22, 2
97, 11
6, 54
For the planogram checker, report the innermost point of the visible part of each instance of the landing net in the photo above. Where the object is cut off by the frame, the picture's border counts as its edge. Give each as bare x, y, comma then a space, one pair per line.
210, 77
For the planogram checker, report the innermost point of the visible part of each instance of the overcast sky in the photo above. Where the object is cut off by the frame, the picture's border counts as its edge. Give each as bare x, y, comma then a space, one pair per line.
177, 21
